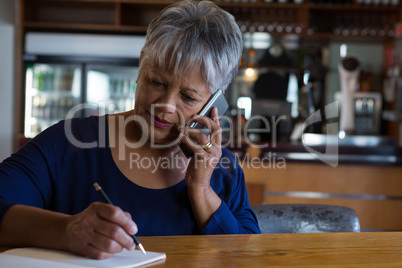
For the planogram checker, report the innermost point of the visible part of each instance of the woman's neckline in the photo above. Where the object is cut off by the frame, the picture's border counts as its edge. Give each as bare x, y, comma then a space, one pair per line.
121, 174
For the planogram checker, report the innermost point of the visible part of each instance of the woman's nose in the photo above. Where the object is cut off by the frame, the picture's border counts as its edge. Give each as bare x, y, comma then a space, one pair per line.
167, 104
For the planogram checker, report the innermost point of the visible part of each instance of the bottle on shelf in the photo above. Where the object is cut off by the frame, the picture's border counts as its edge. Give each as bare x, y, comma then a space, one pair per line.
251, 57
35, 106
38, 80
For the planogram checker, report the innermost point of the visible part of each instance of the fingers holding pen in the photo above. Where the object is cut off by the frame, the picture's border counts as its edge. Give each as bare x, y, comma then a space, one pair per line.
100, 231
117, 226
117, 216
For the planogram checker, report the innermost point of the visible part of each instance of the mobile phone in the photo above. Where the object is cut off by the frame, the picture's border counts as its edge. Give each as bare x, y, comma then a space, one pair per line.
217, 100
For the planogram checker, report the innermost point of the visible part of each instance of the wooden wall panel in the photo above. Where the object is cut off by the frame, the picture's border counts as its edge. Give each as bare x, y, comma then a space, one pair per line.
374, 192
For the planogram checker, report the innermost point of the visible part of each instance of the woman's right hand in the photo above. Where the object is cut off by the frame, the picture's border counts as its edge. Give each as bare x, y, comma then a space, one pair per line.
100, 231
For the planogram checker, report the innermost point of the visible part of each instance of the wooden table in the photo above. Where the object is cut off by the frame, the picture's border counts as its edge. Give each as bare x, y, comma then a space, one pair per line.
303, 250
329, 249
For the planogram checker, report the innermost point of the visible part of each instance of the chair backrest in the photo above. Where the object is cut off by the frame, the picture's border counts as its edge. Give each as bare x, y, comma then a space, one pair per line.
305, 218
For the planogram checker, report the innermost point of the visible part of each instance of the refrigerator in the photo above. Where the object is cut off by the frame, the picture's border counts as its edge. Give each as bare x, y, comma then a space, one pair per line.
69, 82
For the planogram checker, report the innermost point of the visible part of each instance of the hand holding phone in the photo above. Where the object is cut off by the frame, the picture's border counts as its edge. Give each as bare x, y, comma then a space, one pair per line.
217, 100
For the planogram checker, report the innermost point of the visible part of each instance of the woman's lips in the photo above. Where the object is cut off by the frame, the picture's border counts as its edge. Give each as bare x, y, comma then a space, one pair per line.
160, 123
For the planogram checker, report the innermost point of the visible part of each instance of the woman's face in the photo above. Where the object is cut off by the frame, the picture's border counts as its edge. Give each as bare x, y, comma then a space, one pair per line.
166, 101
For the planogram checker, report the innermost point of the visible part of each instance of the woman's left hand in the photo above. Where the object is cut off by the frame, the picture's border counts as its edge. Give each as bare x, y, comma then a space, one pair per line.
207, 153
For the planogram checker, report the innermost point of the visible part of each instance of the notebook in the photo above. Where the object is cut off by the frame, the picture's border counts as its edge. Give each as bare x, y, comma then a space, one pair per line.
47, 258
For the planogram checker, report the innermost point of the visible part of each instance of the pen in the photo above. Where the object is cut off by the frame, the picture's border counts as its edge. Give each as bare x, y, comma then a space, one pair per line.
107, 200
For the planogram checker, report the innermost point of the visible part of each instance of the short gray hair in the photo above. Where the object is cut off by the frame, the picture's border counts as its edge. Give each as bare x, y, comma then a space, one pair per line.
192, 35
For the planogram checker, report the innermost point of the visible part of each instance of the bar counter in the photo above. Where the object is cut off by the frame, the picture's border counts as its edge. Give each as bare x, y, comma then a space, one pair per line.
314, 148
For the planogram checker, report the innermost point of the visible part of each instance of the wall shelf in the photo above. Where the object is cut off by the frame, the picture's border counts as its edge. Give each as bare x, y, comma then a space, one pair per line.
133, 15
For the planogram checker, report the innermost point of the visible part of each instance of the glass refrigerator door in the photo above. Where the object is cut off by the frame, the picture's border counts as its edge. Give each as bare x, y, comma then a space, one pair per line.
51, 91
110, 89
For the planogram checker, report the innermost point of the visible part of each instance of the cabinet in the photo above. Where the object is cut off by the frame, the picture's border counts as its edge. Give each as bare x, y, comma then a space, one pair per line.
308, 18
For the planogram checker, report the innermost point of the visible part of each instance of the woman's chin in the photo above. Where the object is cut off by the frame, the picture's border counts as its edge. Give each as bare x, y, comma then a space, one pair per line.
164, 138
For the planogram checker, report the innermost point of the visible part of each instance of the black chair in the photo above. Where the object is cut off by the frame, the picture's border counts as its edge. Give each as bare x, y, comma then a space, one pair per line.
305, 218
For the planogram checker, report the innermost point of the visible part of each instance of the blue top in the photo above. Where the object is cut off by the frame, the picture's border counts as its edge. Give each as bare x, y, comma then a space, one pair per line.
50, 172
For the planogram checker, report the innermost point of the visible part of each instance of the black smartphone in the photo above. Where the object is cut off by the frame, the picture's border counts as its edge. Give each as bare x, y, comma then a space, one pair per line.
217, 100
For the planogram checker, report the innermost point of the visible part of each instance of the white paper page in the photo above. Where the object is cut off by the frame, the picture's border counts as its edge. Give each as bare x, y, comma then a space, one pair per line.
120, 260
11, 261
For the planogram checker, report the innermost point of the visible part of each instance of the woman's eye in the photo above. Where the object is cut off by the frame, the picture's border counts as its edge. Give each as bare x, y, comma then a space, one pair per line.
188, 98
156, 83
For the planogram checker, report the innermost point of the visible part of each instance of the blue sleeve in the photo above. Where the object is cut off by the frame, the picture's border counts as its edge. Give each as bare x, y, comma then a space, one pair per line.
26, 176
235, 215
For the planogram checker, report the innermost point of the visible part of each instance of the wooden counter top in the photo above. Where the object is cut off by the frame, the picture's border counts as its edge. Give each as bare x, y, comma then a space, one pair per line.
332, 249
301, 250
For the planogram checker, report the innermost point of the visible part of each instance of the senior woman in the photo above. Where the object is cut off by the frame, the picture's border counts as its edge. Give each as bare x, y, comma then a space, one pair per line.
47, 199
